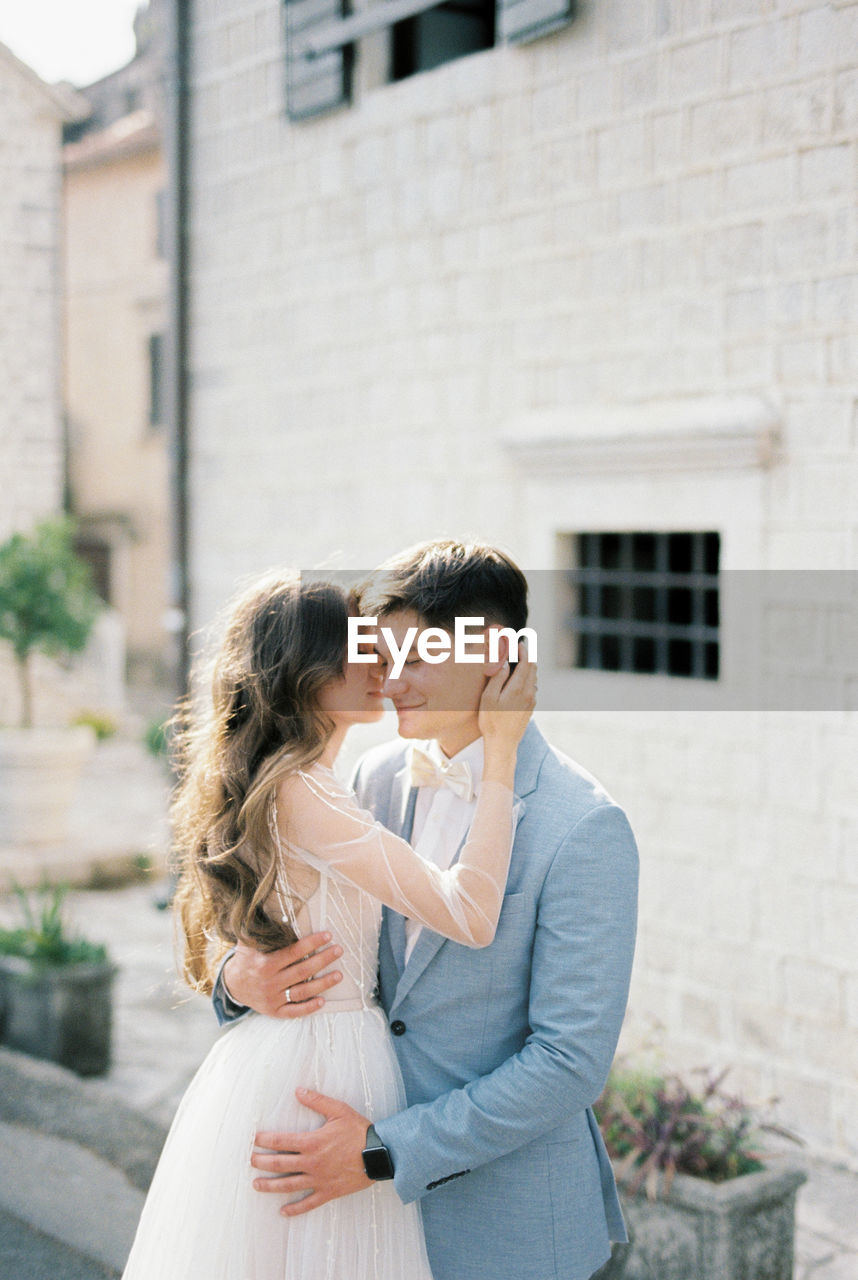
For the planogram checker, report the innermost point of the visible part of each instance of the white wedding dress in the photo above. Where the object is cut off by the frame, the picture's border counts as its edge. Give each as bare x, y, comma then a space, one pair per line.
202, 1219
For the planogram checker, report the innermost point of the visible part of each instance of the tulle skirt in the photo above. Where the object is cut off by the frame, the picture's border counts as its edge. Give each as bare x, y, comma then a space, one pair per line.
204, 1221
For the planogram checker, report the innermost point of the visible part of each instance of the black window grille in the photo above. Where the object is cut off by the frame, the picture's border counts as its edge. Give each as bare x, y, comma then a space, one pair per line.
645, 603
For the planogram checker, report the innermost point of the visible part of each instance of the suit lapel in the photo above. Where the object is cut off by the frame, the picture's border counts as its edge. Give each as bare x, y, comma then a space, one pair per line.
531, 753
428, 944
402, 805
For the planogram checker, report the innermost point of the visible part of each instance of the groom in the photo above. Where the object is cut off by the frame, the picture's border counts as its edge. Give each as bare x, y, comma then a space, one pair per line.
502, 1050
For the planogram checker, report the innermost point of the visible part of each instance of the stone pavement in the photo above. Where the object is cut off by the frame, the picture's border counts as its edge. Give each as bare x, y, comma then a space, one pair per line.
75, 1155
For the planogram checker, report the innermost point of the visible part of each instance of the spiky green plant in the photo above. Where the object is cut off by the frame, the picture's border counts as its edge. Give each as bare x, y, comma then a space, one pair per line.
43, 936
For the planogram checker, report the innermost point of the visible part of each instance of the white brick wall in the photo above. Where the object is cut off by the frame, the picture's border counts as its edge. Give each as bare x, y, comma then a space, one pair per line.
657, 202
31, 448
30, 421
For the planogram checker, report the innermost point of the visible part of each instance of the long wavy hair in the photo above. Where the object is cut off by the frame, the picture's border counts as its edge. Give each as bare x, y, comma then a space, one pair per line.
284, 640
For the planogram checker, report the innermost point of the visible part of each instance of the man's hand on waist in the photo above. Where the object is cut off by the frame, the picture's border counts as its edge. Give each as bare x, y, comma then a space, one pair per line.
287, 983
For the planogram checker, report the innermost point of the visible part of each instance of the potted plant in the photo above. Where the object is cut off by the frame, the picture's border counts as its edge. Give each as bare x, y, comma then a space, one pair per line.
47, 605
702, 1200
55, 988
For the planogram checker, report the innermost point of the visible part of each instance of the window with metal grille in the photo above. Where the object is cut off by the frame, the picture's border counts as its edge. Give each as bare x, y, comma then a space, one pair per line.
644, 602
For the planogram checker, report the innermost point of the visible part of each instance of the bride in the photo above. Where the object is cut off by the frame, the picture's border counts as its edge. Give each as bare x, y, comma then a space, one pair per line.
273, 848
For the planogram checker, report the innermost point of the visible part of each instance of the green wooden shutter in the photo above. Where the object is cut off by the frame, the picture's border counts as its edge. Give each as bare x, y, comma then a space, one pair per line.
520, 21
315, 84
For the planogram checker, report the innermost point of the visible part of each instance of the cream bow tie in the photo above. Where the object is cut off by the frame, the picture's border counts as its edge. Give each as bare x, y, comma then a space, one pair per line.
427, 772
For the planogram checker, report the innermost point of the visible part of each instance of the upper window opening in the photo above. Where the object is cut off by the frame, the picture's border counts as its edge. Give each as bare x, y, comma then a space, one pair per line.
448, 31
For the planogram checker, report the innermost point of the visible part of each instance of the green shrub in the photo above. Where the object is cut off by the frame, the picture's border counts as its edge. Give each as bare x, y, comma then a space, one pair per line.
104, 726
657, 1123
47, 602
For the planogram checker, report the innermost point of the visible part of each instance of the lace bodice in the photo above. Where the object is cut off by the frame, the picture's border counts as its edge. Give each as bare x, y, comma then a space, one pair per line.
338, 865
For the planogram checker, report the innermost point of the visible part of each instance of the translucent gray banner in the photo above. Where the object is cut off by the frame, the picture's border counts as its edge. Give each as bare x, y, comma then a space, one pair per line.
735, 640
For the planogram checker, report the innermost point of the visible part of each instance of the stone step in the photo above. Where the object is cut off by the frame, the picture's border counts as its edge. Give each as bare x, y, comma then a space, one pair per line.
61, 1191
28, 1254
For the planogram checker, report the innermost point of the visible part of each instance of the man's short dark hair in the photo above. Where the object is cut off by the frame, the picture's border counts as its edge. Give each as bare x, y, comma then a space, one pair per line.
444, 580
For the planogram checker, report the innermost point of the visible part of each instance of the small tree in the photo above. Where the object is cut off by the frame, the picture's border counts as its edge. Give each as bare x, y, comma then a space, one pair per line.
47, 601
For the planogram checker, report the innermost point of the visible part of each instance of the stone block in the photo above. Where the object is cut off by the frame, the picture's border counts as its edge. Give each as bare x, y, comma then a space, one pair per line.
730, 10
826, 171
639, 81
846, 101
809, 1101
834, 300
759, 1028
819, 33
694, 69
746, 310
786, 916
627, 25
759, 183
622, 153
595, 95
801, 362
800, 242
797, 111
760, 53
642, 208
668, 139
733, 252
812, 990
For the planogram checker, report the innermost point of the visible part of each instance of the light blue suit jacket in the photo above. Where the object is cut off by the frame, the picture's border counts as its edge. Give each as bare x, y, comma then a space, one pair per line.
503, 1050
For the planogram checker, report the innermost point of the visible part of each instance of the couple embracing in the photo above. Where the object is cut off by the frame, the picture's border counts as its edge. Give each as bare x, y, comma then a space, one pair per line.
438, 956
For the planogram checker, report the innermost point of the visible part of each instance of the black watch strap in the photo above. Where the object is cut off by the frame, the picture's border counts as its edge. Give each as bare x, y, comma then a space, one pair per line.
377, 1162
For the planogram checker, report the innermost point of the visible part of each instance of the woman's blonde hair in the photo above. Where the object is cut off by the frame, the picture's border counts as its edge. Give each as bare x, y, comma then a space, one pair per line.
284, 640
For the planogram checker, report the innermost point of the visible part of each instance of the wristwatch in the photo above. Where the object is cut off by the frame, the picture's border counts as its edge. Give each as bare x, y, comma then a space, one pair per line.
376, 1157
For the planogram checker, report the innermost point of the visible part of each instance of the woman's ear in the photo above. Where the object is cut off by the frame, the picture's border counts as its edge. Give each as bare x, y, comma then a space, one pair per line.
492, 668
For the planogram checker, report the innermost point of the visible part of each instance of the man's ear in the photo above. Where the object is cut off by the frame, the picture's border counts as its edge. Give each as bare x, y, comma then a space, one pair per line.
492, 668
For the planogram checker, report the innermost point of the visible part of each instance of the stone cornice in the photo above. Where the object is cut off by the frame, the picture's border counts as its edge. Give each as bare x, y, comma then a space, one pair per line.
700, 434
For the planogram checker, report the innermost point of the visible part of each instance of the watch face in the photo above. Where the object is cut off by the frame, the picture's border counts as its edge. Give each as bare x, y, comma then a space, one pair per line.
377, 1163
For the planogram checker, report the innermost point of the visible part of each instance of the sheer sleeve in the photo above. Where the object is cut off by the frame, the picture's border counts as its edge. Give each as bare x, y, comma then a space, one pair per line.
323, 821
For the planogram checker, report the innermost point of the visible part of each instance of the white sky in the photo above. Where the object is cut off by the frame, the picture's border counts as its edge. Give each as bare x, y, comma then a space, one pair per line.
76, 40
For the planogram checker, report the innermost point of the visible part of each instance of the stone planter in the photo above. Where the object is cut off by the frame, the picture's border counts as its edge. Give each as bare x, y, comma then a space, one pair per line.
39, 773
62, 1012
742, 1229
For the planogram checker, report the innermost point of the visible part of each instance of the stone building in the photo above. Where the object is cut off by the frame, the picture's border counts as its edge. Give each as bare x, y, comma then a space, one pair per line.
32, 452
116, 283
31, 421
585, 283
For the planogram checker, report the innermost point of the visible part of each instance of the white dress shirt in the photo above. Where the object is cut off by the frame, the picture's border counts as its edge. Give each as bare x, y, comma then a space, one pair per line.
442, 820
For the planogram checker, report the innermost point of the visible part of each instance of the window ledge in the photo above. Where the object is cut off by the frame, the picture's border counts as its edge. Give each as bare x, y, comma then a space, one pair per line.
705, 433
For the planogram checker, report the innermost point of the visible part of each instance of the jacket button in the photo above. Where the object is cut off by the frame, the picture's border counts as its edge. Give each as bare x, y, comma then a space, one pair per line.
398, 1028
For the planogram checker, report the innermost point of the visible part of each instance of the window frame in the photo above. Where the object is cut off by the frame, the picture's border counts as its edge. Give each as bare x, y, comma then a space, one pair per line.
590, 626
321, 38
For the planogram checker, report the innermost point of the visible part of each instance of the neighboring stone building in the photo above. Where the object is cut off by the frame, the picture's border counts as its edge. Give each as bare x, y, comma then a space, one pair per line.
32, 454
605, 283
31, 421
116, 275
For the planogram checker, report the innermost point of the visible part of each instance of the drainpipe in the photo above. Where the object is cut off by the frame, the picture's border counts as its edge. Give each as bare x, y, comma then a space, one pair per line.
177, 134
